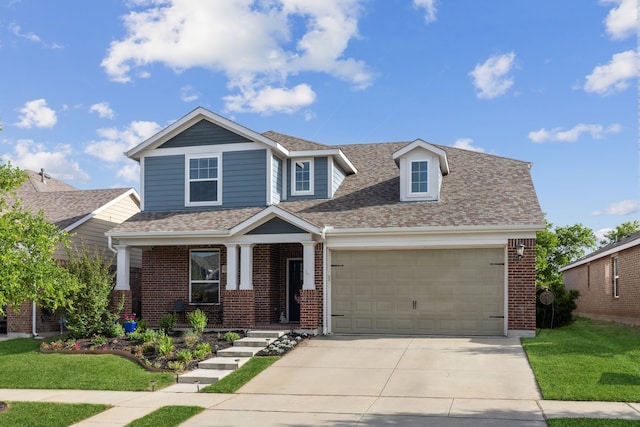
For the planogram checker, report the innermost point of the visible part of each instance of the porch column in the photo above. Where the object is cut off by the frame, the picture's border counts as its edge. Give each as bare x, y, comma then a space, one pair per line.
246, 266
124, 261
232, 266
309, 265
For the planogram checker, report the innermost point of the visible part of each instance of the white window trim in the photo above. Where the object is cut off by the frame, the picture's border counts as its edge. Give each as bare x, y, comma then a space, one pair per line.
187, 181
204, 281
417, 194
309, 192
615, 270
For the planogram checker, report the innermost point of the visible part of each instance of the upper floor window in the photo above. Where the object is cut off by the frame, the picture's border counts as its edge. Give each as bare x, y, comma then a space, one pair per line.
616, 278
419, 176
302, 177
203, 183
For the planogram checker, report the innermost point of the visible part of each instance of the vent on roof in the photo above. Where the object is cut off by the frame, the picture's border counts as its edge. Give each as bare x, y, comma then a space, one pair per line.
44, 176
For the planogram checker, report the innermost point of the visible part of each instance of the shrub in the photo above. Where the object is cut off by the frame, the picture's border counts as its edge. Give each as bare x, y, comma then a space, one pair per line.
184, 355
198, 320
231, 336
168, 322
98, 340
116, 331
561, 311
175, 365
89, 309
191, 338
202, 350
142, 325
164, 344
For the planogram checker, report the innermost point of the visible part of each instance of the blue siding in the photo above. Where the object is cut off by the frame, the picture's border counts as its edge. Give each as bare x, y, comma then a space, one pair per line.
244, 181
320, 178
276, 180
204, 133
244, 178
164, 183
337, 178
276, 226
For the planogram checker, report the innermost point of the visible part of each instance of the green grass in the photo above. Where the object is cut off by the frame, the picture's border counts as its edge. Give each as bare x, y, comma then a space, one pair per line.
23, 366
591, 422
587, 360
167, 416
232, 382
46, 414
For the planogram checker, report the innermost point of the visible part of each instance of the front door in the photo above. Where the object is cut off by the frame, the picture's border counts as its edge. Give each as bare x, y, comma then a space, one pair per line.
294, 285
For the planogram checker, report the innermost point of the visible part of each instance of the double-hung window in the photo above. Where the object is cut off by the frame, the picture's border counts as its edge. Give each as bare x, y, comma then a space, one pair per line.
616, 278
203, 181
302, 177
204, 276
419, 177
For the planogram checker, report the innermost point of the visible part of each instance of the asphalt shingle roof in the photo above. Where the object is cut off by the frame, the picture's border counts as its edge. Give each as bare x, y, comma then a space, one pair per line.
480, 190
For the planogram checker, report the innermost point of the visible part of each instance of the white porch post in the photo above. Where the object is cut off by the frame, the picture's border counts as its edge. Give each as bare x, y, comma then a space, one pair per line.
124, 261
232, 266
309, 265
246, 266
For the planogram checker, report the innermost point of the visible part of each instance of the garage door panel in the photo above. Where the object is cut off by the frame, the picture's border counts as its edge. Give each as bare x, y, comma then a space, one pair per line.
426, 291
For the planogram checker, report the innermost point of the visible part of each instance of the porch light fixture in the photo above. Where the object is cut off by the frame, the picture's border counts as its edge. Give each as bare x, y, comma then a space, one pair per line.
520, 250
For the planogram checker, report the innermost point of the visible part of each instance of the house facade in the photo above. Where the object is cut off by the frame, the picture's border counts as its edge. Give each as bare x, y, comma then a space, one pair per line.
86, 215
259, 229
608, 281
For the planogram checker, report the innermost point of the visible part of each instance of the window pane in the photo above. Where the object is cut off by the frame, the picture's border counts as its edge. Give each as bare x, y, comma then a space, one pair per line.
419, 174
303, 176
205, 265
203, 168
203, 191
205, 292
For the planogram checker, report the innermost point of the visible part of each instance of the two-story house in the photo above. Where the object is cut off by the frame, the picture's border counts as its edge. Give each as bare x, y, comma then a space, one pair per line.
387, 238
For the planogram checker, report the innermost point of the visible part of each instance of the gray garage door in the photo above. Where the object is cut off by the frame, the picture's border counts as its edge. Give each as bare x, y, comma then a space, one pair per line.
451, 292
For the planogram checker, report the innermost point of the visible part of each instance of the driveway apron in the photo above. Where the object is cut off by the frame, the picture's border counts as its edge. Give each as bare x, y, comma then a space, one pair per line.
418, 367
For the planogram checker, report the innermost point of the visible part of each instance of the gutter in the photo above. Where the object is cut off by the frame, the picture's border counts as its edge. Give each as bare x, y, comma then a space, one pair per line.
110, 244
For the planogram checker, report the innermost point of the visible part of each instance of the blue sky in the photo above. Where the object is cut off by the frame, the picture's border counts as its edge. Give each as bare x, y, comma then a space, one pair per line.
546, 81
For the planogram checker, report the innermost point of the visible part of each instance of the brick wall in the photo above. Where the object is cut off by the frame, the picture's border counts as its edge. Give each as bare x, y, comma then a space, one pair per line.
594, 281
239, 309
19, 321
521, 278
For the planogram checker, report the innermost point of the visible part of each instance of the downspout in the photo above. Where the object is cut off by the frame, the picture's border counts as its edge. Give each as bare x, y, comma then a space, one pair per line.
110, 245
33, 320
323, 237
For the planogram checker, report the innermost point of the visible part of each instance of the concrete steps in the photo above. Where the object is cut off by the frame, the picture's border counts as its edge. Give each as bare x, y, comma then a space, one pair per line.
230, 359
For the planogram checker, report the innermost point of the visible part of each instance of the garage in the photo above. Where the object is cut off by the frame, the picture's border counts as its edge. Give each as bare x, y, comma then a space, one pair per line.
430, 291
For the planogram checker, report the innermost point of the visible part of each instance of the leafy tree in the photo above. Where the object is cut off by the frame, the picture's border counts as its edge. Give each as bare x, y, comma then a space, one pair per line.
623, 230
560, 312
557, 248
28, 270
91, 311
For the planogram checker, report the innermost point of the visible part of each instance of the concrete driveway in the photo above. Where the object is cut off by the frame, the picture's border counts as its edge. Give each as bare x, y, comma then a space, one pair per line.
381, 381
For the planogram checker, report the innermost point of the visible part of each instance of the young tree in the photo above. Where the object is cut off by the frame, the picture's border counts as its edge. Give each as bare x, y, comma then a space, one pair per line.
623, 230
28, 271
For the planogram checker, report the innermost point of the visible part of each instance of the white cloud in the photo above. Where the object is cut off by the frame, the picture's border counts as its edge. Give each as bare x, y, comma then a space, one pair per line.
183, 34
30, 155
429, 7
614, 76
268, 99
622, 208
467, 144
130, 172
36, 113
492, 78
622, 21
114, 142
596, 131
103, 110
600, 234
32, 37
188, 94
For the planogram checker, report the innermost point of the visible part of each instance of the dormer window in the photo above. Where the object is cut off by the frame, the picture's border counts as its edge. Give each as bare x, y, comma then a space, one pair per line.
302, 177
419, 177
203, 183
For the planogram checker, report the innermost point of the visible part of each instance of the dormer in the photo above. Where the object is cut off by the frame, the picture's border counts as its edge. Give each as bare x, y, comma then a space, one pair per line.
422, 166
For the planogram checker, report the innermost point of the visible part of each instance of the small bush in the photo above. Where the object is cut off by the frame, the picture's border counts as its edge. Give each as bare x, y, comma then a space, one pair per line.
164, 344
142, 325
191, 339
561, 311
176, 365
168, 322
198, 320
231, 336
184, 355
98, 340
202, 350
116, 331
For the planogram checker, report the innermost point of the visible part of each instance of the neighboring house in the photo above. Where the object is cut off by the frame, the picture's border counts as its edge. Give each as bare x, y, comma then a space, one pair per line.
386, 238
608, 281
86, 215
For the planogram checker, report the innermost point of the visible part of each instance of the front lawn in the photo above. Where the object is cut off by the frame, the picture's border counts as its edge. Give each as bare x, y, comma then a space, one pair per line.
47, 414
232, 382
587, 360
167, 416
23, 366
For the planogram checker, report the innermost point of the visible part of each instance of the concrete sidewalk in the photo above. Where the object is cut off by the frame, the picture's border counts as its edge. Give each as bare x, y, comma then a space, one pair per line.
295, 410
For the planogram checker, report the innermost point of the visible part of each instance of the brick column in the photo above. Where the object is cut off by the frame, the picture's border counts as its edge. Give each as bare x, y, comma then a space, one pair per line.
521, 277
310, 309
238, 309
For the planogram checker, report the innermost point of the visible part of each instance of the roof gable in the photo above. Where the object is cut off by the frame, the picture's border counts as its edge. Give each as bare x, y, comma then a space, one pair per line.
420, 144
622, 244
